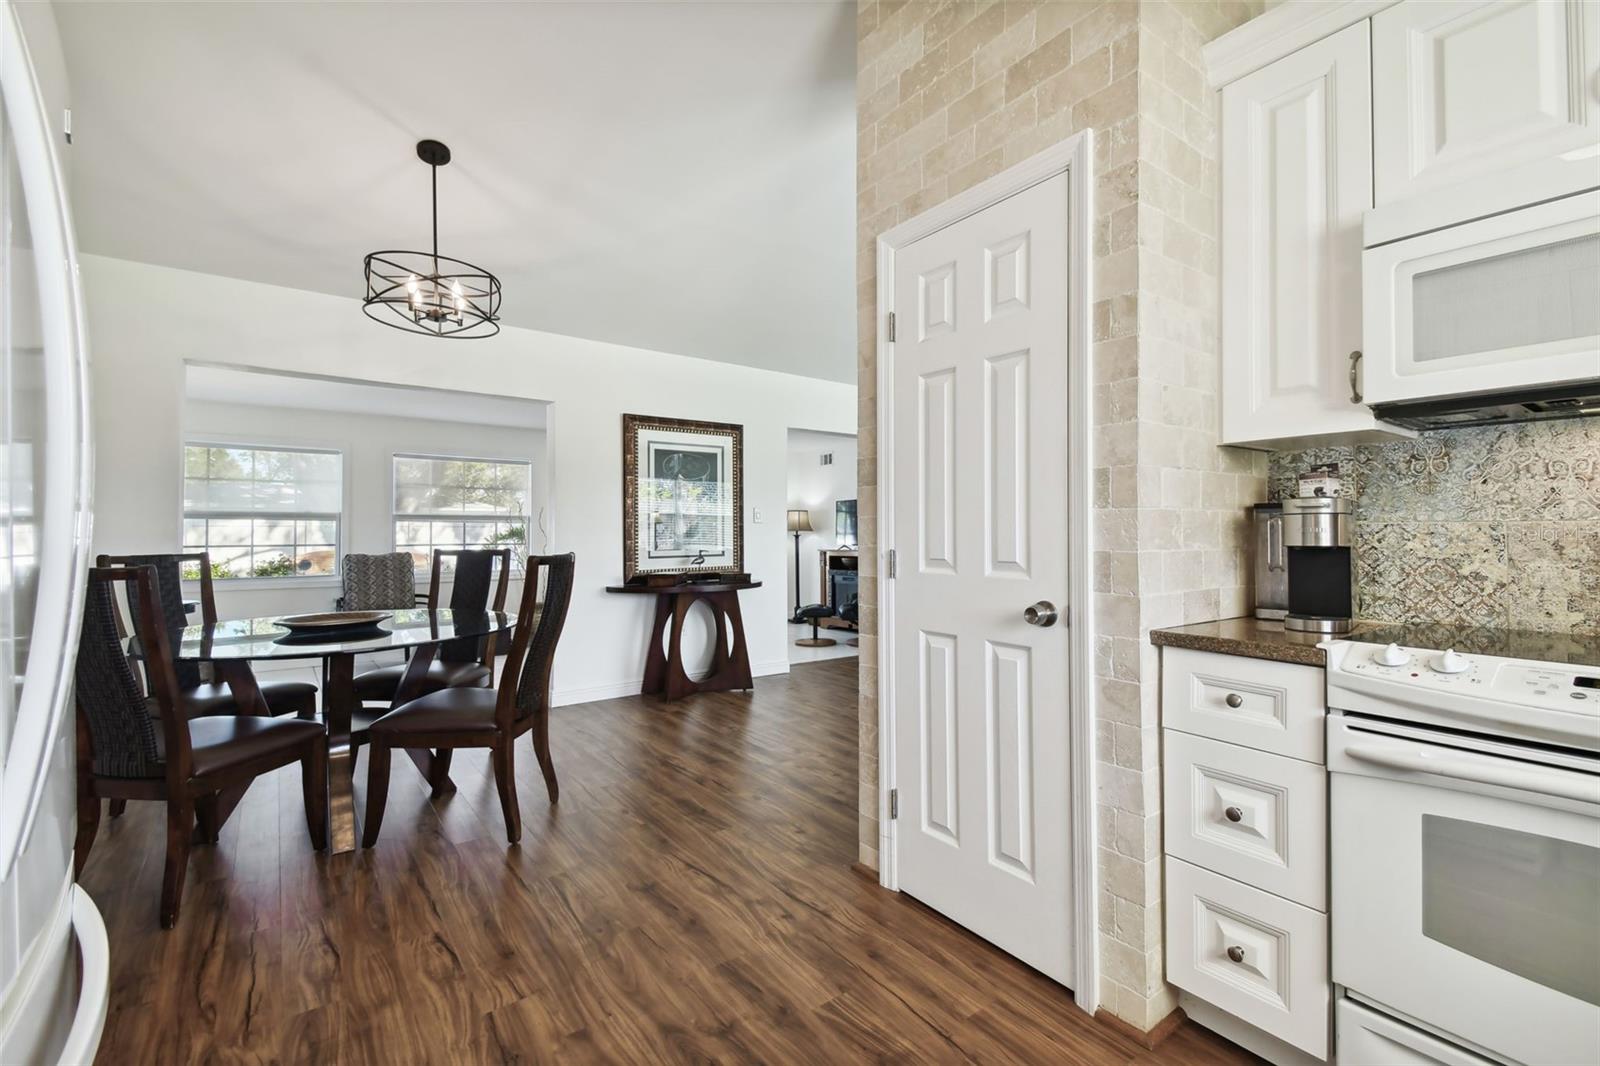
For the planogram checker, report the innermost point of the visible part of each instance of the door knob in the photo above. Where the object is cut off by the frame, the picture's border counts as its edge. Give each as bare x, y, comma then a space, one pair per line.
1042, 614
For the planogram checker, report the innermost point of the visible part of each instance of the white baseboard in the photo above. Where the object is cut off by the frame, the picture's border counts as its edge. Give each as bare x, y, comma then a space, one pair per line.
566, 696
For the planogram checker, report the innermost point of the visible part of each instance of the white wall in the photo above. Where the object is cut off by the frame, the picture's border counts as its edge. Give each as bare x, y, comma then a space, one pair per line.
816, 488
369, 443
146, 321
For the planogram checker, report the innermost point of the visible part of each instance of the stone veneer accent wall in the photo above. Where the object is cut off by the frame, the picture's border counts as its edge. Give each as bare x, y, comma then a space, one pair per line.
1495, 527
952, 92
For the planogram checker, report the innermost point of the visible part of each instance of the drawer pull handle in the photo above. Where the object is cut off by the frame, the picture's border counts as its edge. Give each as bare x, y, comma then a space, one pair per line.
1233, 699
1233, 814
1236, 953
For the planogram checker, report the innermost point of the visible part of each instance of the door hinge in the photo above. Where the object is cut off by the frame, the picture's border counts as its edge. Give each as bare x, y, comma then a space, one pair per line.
889, 564
891, 325
894, 804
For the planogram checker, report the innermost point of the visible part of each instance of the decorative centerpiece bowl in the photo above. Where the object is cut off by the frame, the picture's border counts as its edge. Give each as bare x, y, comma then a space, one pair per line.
329, 623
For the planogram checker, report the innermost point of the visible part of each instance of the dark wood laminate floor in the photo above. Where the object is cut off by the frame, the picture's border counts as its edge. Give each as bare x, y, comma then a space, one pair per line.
690, 900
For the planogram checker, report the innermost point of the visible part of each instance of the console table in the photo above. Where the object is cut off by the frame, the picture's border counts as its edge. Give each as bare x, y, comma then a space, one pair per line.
730, 663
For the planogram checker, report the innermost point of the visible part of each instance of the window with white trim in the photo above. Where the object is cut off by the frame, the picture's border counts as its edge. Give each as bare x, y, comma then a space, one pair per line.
451, 502
263, 511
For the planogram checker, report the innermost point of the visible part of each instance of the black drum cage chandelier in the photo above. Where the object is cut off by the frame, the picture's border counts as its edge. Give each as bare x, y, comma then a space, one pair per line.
429, 293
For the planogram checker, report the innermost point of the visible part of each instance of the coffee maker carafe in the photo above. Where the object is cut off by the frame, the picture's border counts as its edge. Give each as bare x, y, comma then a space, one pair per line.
1316, 536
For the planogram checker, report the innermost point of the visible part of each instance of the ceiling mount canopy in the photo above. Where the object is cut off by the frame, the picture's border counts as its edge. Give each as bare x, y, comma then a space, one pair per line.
429, 293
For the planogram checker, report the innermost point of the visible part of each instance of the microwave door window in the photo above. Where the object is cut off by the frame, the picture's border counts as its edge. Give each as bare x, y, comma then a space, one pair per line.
1523, 903
1517, 300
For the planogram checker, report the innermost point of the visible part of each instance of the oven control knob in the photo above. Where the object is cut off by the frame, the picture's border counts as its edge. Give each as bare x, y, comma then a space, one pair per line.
1392, 656
1450, 663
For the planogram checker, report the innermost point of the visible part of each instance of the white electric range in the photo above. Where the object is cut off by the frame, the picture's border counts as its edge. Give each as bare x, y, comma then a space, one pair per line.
1465, 855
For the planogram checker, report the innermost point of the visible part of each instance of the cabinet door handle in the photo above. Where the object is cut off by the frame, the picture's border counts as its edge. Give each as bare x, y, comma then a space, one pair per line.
1233, 814
1355, 377
1236, 953
1233, 699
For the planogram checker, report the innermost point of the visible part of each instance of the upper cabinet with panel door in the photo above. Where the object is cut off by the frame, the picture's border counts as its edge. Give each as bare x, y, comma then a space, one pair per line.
1468, 88
1296, 181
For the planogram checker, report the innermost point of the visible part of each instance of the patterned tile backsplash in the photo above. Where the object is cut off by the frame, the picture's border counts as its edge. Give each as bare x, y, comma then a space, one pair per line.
1484, 527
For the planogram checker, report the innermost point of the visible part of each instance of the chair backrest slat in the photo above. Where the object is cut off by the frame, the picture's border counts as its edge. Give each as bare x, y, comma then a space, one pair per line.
125, 737
525, 683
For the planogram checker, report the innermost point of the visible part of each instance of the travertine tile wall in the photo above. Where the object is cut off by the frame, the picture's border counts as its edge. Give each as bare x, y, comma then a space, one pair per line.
952, 92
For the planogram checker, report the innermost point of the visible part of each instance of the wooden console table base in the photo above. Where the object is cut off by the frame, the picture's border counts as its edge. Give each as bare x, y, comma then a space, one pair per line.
730, 662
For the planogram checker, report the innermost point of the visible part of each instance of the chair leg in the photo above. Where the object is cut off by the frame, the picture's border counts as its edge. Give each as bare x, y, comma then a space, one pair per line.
314, 787
88, 826
208, 819
441, 772
180, 824
377, 790
505, 780
541, 750
117, 807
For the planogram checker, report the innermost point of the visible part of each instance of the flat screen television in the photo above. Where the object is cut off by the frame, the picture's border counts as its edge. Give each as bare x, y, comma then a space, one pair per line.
844, 522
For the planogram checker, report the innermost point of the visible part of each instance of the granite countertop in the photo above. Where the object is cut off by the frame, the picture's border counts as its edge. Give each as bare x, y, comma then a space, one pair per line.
1249, 637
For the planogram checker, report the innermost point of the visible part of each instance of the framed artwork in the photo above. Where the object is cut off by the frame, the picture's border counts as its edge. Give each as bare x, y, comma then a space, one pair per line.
682, 497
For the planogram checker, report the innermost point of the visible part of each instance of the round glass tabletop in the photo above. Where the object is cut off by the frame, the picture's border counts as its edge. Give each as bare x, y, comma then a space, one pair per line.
265, 638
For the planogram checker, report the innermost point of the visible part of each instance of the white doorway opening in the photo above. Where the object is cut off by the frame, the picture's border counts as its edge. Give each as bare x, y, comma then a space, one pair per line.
822, 551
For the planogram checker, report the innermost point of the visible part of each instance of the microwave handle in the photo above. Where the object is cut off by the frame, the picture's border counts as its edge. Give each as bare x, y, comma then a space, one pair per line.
1525, 779
1355, 377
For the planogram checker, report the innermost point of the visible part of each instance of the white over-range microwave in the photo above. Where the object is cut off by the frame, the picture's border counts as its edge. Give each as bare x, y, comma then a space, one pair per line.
1491, 319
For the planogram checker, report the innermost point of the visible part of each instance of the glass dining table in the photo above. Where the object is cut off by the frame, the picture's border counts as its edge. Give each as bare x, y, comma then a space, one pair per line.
233, 645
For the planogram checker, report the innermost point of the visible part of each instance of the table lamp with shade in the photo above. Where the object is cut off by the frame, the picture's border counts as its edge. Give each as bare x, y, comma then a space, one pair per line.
799, 522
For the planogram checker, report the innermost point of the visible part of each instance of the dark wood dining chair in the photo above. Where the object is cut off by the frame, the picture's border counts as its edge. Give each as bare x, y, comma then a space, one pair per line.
487, 718
199, 694
133, 747
464, 663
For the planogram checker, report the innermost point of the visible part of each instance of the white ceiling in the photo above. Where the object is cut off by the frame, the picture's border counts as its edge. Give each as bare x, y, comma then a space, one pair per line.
674, 176
213, 384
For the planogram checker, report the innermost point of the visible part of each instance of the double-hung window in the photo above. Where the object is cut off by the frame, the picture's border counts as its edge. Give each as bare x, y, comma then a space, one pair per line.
447, 502
263, 511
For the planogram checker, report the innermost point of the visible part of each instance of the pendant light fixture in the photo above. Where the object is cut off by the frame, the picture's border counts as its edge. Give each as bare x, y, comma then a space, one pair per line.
425, 292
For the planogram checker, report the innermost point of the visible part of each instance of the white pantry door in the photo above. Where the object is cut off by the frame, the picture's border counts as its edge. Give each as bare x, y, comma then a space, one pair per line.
980, 531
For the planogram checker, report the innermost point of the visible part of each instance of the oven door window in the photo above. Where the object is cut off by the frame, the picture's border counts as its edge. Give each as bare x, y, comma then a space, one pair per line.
1523, 903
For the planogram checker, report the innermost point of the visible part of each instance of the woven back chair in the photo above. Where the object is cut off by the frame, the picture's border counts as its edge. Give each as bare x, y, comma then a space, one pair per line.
487, 718
198, 691
378, 582
134, 748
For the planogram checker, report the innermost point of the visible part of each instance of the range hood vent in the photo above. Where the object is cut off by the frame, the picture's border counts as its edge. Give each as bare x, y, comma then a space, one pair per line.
1573, 400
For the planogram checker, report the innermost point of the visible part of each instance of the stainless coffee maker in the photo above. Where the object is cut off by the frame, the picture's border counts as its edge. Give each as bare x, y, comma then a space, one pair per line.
1271, 563
1316, 539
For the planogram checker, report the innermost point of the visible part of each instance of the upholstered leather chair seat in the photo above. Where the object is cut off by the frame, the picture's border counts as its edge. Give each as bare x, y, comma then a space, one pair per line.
453, 710
382, 683
283, 697
221, 742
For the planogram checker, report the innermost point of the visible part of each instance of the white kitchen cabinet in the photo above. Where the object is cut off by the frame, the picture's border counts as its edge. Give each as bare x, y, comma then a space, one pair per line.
1296, 179
1468, 88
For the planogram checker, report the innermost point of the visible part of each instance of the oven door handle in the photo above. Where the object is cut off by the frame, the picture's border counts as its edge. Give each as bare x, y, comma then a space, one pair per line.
1527, 779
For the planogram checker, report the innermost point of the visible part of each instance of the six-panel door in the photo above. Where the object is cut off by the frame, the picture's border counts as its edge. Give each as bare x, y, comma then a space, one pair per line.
979, 525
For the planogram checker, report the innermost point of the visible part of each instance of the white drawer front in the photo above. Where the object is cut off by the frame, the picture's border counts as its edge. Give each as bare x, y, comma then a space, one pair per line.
1271, 706
1256, 817
1250, 953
